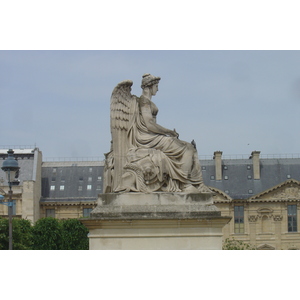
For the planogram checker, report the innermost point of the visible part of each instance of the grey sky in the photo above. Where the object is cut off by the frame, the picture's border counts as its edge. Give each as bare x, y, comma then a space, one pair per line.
233, 101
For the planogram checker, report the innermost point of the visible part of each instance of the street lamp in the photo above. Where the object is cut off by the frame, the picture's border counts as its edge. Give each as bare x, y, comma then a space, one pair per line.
10, 166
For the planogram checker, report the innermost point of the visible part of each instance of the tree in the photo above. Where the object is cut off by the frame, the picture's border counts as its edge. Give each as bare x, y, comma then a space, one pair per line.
22, 234
236, 245
3, 234
47, 234
74, 235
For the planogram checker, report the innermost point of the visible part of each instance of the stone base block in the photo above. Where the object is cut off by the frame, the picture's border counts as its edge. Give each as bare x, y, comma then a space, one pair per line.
156, 221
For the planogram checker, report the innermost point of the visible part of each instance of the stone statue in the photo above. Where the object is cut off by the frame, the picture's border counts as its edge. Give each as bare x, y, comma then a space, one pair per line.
146, 157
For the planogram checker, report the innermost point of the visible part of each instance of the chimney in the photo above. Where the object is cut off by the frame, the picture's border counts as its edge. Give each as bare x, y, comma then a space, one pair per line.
218, 164
256, 165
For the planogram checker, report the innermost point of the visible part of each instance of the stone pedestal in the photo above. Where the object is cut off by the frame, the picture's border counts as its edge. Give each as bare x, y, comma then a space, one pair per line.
155, 221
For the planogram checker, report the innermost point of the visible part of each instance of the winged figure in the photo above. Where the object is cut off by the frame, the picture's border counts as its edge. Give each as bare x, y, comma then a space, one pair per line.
145, 156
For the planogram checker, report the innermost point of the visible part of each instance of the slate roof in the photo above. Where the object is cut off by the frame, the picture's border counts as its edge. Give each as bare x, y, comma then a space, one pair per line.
240, 183
237, 178
25, 160
72, 181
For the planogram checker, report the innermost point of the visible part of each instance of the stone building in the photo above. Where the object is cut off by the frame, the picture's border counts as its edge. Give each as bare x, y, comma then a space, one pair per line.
70, 189
262, 194
27, 194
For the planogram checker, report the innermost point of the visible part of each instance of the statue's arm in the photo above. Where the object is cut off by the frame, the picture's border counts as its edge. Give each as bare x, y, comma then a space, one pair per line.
151, 124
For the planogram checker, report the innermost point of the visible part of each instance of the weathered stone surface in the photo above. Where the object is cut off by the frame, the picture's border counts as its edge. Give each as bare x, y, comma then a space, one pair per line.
154, 206
154, 195
145, 156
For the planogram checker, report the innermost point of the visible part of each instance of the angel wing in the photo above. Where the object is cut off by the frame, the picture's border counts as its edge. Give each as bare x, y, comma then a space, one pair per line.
123, 106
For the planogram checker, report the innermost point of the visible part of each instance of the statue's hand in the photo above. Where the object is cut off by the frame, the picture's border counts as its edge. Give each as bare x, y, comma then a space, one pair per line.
173, 133
176, 133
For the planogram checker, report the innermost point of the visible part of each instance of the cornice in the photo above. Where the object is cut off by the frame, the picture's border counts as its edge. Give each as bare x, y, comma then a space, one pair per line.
61, 203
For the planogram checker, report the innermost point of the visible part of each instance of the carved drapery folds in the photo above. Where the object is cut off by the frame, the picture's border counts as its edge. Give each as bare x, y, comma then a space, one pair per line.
146, 157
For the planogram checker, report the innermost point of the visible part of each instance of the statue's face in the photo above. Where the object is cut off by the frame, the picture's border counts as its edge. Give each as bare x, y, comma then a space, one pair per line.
154, 89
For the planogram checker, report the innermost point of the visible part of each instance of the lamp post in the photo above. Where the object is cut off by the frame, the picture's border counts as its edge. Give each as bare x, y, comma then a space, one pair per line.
10, 166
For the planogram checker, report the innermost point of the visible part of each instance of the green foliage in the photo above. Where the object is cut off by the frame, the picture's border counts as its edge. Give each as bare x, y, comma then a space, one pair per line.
54, 234
236, 245
74, 235
47, 234
22, 234
3, 234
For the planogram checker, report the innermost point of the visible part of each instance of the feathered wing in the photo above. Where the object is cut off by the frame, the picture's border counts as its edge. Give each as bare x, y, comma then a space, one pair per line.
123, 106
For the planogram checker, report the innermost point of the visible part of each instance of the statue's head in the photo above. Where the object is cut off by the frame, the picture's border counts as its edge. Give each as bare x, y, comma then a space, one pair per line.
149, 80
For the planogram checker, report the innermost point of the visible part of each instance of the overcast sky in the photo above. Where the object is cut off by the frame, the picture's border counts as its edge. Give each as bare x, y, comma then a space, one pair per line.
233, 101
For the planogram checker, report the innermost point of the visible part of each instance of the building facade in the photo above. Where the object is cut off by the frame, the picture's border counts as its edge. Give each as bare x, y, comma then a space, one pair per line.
27, 194
262, 195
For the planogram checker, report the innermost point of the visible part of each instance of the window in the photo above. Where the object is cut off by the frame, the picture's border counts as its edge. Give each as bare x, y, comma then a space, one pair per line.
54, 170
90, 179
226, 177
225, 168
89, 187
212, 177
292, 218
52, 188
90, 170
204, 168
50, 213
87, 212
239, 219
99, 177
62, 188
99, 187
80, 188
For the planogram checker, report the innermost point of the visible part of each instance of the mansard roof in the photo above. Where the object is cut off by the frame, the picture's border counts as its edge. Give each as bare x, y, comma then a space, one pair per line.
71, 181
238, 180
26, 160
